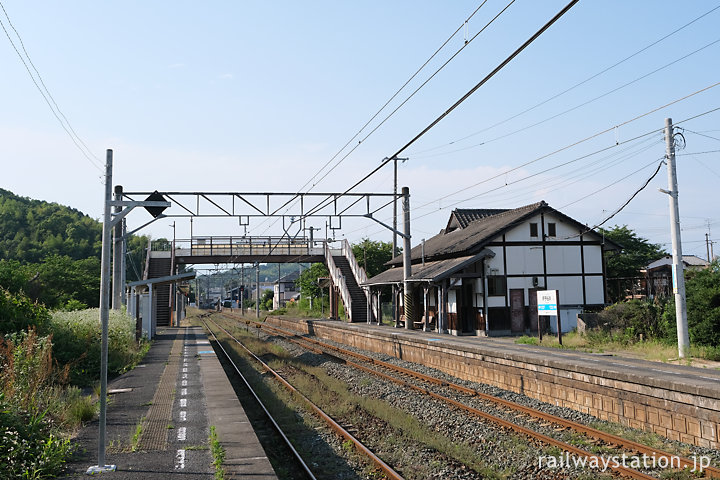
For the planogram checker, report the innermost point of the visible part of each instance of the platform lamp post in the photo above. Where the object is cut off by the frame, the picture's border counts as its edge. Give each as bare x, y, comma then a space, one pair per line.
155, 207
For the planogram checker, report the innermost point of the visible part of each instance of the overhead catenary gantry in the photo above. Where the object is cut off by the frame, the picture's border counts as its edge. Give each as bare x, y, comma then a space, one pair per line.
285, 205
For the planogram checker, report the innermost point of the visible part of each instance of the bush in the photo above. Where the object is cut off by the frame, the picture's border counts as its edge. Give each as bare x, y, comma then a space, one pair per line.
77, 335
18, 312
28, 447
629, 321
32, 408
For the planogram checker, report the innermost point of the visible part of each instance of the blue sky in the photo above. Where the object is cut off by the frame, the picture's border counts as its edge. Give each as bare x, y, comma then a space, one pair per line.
258, 96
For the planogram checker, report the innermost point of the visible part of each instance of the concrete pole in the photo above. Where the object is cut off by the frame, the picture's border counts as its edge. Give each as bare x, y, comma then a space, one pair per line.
257, 290
677, 265
407, 266
104, 316
242, 289
117, 285
394, 307
123, 265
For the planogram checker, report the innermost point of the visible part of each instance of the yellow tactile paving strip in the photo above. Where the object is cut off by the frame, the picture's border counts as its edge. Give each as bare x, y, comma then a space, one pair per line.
154, 434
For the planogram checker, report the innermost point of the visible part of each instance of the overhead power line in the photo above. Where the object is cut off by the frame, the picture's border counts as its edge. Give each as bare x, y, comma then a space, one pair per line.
387, 117
595, 135
394, 95
587, 102
45, 92
417, 90
464, 97
573, 87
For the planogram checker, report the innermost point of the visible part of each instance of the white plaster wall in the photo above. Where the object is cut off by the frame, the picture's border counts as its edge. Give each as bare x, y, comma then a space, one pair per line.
521, 233
570, 289
496, 262
563, 259
594, 290
524, 259
564, 232
521, 282
593, 258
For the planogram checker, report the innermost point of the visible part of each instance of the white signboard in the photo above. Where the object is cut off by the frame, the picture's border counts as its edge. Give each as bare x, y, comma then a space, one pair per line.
547, 302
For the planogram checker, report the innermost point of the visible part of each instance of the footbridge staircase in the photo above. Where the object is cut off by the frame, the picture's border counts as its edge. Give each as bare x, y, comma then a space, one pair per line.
346, 276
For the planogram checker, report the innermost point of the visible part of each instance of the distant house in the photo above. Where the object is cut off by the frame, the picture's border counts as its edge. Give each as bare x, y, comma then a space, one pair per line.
480, 274
658, 274
285, 290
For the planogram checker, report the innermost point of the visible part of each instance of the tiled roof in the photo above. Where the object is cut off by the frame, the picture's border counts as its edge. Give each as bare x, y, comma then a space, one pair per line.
477, 233
430, 272
462, 217
689, 260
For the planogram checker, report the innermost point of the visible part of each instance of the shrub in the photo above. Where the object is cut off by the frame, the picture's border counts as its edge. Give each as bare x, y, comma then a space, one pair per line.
28, 446
77, 335
32, 408
18, 312
628, 321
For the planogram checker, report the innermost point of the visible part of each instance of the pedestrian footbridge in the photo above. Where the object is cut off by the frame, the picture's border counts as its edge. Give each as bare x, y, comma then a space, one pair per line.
245, 249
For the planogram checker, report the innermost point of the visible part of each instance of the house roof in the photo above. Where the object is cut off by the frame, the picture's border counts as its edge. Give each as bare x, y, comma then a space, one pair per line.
430, 272
462, 217
688, 260
289, 278
483, 230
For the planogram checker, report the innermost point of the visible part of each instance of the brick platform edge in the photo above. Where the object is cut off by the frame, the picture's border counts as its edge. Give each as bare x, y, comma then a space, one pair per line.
678, 412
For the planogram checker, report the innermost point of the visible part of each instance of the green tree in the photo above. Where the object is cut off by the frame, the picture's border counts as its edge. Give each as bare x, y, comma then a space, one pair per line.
372, 255
266, 301
636, 254
703, 305
307, 281
18, 312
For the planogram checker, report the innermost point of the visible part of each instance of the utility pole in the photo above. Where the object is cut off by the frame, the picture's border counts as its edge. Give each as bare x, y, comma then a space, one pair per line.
707, 245
677, 265
104, 317
407, 265
394, 225
117, 264
242, 289
257, 290
123, 264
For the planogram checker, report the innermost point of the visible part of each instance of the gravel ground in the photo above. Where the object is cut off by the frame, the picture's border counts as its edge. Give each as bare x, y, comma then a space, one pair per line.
504, 450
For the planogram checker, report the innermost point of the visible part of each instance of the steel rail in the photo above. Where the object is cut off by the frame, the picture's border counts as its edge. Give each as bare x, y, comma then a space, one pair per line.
388, 470
262, 405
710, 471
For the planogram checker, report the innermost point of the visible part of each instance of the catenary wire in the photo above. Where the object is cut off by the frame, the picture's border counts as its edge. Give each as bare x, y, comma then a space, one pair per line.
412, 77
595, 135
87, 153
592, 77
577, 143
416, 91
466, 96
583, 104
389, 101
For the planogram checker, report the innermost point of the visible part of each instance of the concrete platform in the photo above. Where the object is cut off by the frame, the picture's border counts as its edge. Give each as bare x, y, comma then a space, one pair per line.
678, 402
160, 413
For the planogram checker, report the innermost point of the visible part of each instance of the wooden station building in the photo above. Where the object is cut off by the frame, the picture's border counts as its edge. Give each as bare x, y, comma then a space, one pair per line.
480, 274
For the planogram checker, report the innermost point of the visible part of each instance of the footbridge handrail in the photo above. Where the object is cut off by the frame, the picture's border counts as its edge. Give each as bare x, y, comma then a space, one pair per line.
339, 280
358, 271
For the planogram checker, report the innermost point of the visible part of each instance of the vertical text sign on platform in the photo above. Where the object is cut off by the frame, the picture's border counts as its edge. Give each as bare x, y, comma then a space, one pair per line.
547, 302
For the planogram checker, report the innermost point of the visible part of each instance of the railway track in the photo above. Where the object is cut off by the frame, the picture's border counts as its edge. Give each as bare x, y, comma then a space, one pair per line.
386, 470
343, 355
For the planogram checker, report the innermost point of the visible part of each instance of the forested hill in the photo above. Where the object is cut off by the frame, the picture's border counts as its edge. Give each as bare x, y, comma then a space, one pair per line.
31, 230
